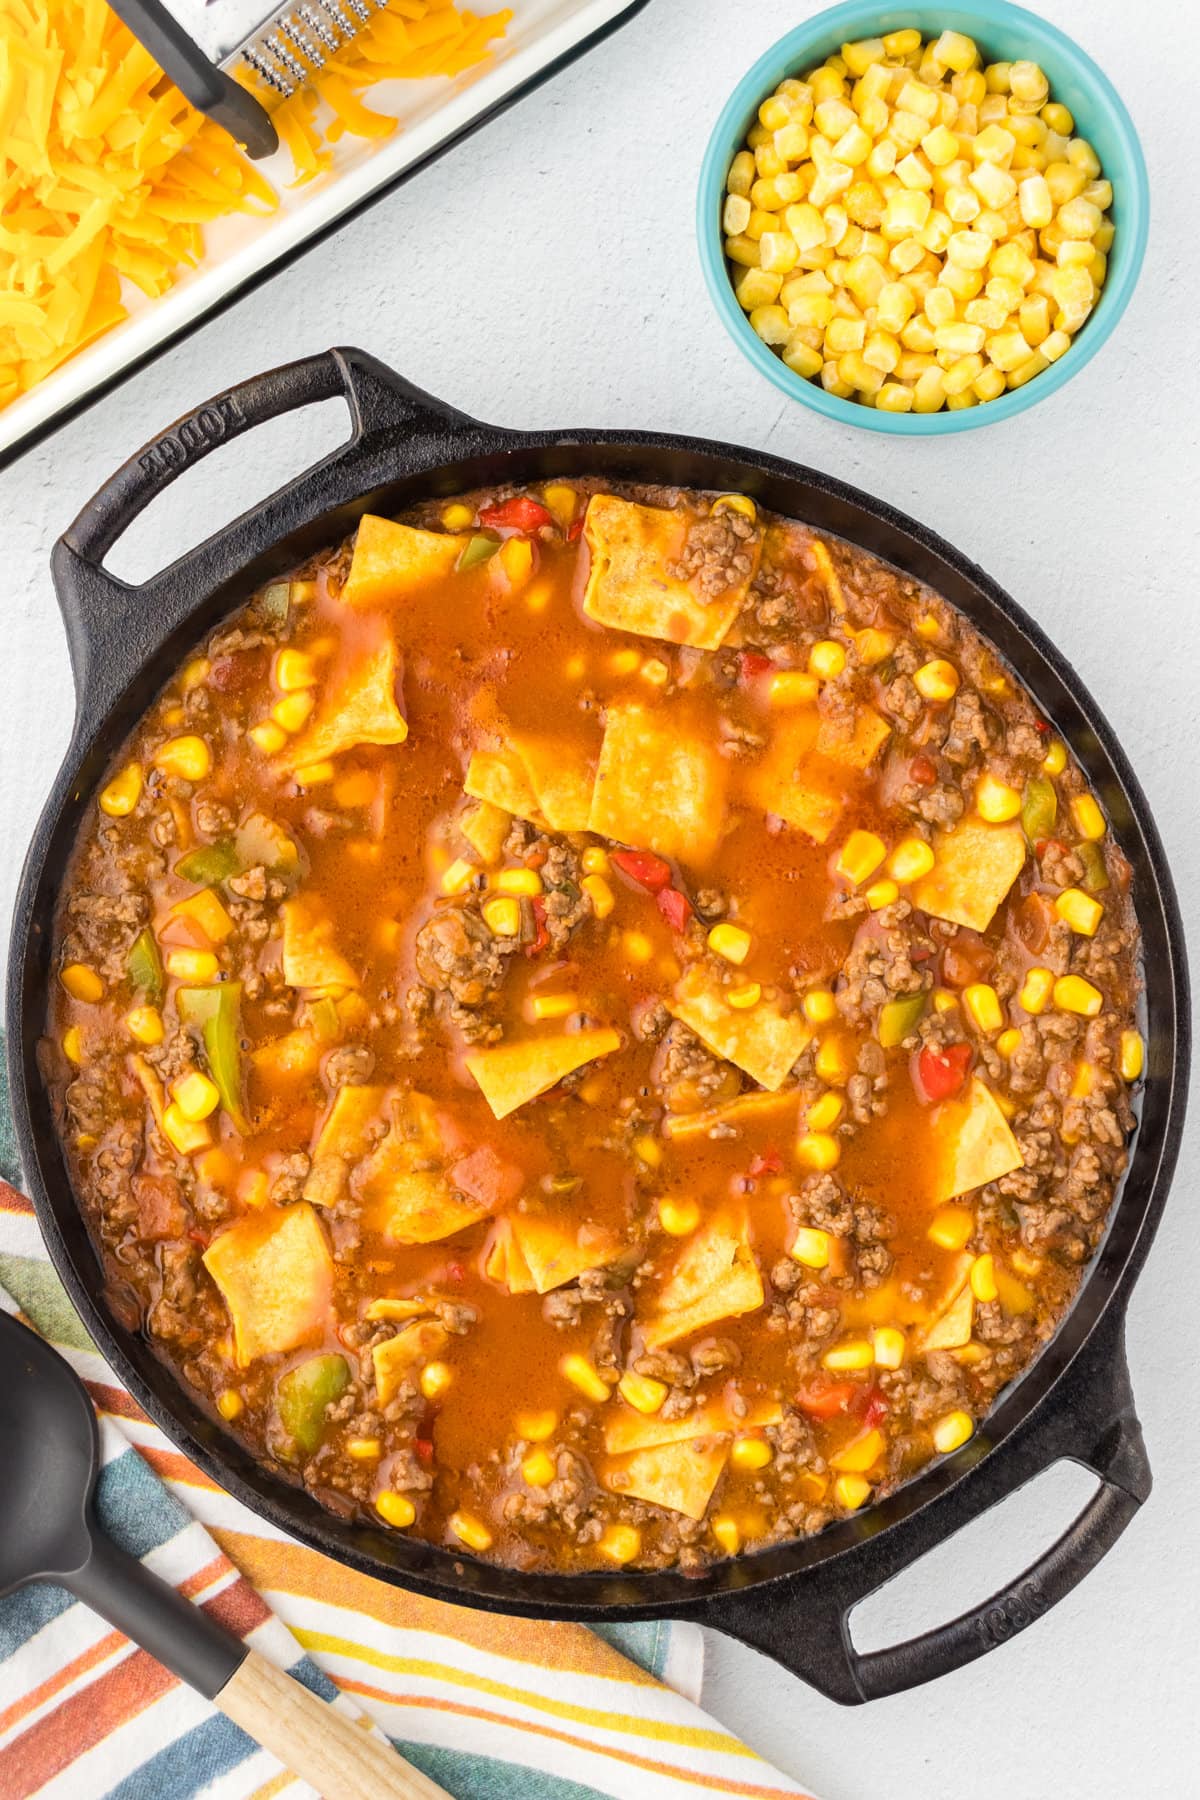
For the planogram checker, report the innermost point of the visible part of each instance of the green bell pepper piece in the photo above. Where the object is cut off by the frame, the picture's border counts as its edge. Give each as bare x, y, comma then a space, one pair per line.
1039, 808
1095, 874
478, 551
899, 1018
217, 1011
209, 864
304, 1395
144, 966
274, 602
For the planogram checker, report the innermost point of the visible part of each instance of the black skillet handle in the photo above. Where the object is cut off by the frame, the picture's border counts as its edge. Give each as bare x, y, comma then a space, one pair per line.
803, 1622
209, 89
113, 626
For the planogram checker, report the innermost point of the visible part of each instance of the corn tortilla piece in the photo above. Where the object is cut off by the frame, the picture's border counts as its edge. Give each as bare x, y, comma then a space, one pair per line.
777, 1111
658, 786
763, 1041
275, 1274
681, 1477
630, 586
505, 1263
398, 1357
952, 1327
562, 780
975, 866
311, 959
975, 1144
398, 1308
405, 1195
628, 1429
782, 781
348, 1133
551, 1252
485, 828
715, 1277
362, 711
512, 1074
854, 744
499, 778
297, 1053
392, 560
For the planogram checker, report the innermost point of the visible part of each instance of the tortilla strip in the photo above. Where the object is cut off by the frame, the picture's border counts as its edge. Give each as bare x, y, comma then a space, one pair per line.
310, 957
974, 1142
630, 587
390, 560
976, 865
561, 779
763, 1041
629, 1430
658, 787
716, 1277
405, 1194
510, 1075
500, 778
534, 1254
362, 711
397, 1357
344, 1139
854, 745
275, 1274
776, 1111
681, 1477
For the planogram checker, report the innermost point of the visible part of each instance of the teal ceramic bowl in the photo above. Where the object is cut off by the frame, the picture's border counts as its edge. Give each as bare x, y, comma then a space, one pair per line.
1005, 34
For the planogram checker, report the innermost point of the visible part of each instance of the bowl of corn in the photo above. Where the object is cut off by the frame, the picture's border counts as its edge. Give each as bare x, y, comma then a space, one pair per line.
921, 219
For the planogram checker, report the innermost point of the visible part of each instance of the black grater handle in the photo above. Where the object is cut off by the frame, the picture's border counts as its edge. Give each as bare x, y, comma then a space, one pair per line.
208, 88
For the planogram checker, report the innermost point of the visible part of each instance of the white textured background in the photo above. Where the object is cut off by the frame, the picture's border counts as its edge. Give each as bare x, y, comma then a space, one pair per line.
545, 274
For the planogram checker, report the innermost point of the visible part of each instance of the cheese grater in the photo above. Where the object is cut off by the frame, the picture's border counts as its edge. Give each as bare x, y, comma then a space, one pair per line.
205, 46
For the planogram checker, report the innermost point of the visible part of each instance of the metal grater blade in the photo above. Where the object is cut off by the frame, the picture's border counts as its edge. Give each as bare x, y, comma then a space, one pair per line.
281, 46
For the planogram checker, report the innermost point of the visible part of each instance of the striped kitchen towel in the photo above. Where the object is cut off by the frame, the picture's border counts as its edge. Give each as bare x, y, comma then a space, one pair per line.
486, 1705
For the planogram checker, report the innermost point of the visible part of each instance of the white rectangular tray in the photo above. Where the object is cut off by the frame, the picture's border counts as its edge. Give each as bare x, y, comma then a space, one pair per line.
542, 37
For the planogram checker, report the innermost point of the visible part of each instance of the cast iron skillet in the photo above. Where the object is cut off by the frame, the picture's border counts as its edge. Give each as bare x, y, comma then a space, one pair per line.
791, 1601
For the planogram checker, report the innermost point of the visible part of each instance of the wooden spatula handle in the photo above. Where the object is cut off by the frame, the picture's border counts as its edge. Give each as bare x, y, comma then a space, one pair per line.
321, 1745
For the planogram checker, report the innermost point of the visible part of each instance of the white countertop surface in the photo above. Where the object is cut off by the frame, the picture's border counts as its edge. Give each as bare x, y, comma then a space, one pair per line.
545, 274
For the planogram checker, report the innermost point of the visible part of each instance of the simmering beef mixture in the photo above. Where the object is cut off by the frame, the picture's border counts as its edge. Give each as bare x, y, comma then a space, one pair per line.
595, 1027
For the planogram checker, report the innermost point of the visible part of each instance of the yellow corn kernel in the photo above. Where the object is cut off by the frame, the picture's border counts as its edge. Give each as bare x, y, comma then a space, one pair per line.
725, 1530
873, 646
983, 1004
364, 1449
595, 861
395, 1509
502, 916
952, 1431
1075, 995
72, 1044
637, 946
890, 1346
1080, 911
1036, 990
515, 557
995, 801
678, 1217
1055, 759
86, 1140
268, 737
818, 1150
536, 1426
832, 1061
195, 673
944, 1000
196, 1096
436, 1378
600, 894
824, 1113
983, 1279
187, 1135
561, 501
860, 856
553, 1006
642, 1392
744, 997
82, 983
851, 1491
937, 680
123, 792
586, 1377
457, 516
192, 965
792, 687
856, 1353
820, 1007
826, 659
951, 1227
910, 860
750, 1453
1009, 1042
1133, 1055
730, 941
294, 671
229, 1404
205, 910
291, 713
620, 1543
523, 882
466, 1527
861, 1453
1089, 820
881, 894
539, 1469
187, 757
459, 876
811, 1247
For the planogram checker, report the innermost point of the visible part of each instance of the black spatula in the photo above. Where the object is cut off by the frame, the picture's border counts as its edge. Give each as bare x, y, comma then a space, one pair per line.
50, 1450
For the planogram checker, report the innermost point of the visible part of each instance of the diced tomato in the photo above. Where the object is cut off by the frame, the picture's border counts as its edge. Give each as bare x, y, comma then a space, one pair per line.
201, 1238
1032, 919
753, 665
542, 936
876, 1409
575, 529
1041, 725
642, 866
674, 907
521, 513
965, 959
455, 1272
424, 1448
941, 1073
536, 859
1044, 844
487, 1178
922, 771
768, 1163
822, 1398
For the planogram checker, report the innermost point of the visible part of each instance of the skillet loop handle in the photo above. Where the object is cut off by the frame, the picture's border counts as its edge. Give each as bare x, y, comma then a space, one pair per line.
804, 1622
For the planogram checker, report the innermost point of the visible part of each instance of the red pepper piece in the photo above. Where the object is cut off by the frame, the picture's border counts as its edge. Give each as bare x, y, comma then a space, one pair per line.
521, 513
922, 771
575, 529
424, 1448
674, 907
768, 1163
753, 665
542, 937
876, 1409
821, 1398
941, 1073
642, 866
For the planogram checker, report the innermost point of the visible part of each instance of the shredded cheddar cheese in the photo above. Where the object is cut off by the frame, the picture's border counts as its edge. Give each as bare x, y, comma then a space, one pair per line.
108, 175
